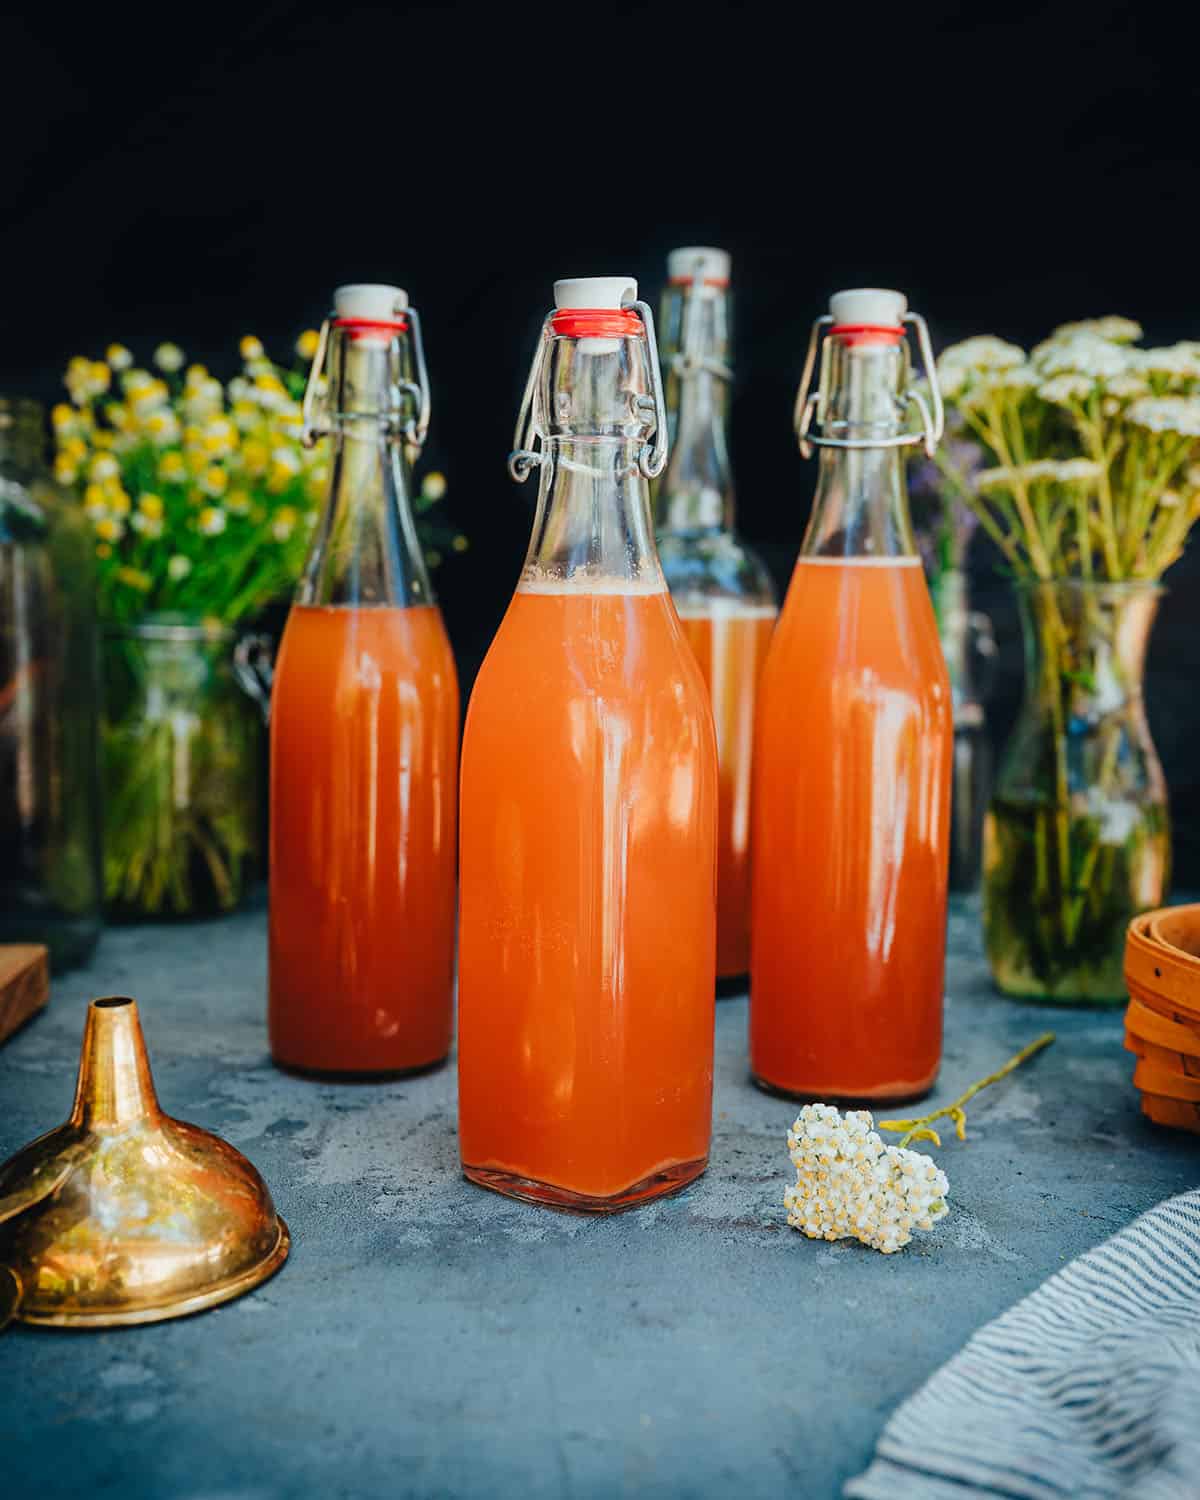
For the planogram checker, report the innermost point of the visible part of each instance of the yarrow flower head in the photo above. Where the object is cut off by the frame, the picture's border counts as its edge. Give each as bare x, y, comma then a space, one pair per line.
1116, 330
850, 1185
1082, 354
1179, 415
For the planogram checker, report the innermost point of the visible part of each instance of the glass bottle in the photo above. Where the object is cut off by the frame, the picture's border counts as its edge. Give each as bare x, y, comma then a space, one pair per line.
50, 826
364, 732
853, 749
969, 647
724, 594
587, 926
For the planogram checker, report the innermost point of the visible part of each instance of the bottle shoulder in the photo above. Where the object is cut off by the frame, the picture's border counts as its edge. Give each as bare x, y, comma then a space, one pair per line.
714, 565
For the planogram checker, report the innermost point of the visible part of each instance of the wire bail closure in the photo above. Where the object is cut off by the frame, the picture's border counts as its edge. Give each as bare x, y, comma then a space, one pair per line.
530, 437
811, 403
410, 398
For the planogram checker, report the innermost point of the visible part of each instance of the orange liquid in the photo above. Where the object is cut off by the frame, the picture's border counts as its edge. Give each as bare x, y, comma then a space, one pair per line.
588, 920
851, 837
364, 739
731, 647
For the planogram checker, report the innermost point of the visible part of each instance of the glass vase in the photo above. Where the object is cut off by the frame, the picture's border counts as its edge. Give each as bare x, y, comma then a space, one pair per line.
1077, 839
181, 755
49, 687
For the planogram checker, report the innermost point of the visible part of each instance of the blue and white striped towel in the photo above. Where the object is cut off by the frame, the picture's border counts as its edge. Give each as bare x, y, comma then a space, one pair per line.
1088, 1387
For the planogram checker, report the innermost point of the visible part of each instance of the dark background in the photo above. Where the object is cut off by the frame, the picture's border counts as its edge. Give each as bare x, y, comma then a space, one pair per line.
202, 173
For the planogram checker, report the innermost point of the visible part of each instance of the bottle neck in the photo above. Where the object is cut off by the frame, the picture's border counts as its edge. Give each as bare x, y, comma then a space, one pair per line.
695, 494
861, 504
365, 551
593, 524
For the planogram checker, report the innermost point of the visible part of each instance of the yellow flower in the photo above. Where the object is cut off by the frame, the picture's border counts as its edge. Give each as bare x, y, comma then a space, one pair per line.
196, 375
153, 394
118, 356
117, 414
162, 426
75, 450
63, 417
245, 414
65, 470
104, 440
214, 481
284, 523
151, 505
306, 344
179, 567
460, 543
108, 529
101, 377
250, 348
103, 466
103, 550
238, 503
172, 469
220, 437
433, 486
169, 357
95, 500
211, 520
135, 579
255, 457
118, 501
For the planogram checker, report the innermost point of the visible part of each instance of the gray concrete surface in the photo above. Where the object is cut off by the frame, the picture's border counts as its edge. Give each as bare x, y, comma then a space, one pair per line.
428, 1338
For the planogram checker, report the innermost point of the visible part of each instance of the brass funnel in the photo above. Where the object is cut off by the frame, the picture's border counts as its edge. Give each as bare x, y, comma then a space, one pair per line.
124, 1215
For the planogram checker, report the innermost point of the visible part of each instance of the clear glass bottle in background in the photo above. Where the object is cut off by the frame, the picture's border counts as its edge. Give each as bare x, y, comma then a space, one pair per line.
364, 731
587, 928
49, 693
851, 835
724, 594
969, 646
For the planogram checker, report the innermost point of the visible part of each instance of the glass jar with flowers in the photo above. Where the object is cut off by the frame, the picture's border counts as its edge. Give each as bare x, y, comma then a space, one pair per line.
201, 497
1091, 494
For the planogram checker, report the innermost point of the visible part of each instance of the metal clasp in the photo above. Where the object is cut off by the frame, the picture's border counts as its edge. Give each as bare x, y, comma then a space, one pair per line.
809, 403
412, 403
529, 440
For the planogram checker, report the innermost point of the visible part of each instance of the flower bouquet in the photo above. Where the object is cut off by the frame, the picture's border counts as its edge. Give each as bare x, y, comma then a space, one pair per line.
1089, 495
201, 498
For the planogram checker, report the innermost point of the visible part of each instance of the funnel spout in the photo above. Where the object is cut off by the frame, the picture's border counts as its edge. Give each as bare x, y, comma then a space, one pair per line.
115, 1089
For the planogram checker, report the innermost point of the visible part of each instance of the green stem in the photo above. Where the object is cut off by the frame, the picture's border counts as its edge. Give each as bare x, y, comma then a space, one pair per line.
920, 1128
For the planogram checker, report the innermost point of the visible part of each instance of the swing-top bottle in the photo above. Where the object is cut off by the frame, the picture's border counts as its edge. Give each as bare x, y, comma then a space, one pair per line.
724, 594
589, 790
364, 730
853, 745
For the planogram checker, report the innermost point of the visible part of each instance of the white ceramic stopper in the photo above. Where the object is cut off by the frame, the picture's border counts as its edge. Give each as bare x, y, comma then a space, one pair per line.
868, 306
371, 300
595, 291
698, 263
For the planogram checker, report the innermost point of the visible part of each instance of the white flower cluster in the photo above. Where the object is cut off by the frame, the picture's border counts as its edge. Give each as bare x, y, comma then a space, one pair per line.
1115, 330
1179, 415
1040, 471
1085, 353
1175, 362
848, 1183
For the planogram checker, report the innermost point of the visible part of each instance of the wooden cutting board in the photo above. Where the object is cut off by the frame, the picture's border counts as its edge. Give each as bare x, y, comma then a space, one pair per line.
24, 984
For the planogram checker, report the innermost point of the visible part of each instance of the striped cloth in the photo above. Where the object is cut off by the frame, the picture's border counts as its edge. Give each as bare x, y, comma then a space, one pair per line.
1088, 1387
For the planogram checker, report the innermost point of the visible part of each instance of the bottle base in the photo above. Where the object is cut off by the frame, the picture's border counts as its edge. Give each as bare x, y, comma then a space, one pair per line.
549, 1195
357, 1075
901, 1094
